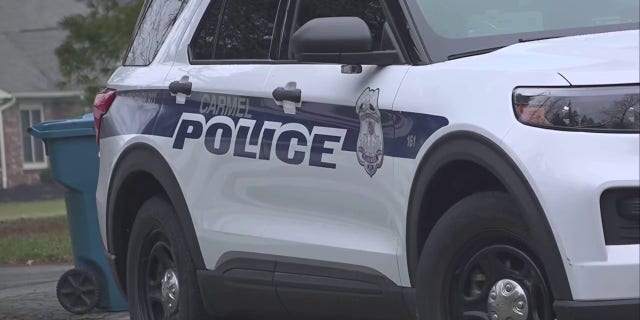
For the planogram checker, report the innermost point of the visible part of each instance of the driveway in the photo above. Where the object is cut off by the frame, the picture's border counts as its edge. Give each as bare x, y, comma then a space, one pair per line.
29, 293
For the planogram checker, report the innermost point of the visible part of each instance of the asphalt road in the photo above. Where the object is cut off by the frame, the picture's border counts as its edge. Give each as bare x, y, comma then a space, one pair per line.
29, 293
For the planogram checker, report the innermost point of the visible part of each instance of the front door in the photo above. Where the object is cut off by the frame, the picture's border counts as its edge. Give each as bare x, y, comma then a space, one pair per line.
332, 192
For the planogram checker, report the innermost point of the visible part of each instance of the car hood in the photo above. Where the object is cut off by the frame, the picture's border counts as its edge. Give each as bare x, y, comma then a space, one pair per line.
596, 59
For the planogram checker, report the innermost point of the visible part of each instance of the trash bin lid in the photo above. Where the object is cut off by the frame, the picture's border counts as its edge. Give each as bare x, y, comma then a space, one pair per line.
82, 126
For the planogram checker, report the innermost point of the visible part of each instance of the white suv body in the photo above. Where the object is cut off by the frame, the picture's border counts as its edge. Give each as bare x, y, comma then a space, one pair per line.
354, 176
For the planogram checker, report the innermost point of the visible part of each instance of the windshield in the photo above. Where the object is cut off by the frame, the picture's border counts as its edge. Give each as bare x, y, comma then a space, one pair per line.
453, 27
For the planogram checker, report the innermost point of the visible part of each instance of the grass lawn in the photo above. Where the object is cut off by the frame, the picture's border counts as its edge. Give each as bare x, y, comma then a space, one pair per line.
32, 210
34, 232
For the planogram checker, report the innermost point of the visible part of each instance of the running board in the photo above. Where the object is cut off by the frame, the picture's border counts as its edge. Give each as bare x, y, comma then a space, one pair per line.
263, 287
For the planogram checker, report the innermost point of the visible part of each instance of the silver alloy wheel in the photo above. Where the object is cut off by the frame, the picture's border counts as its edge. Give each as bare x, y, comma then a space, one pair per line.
507, 301
170, 290
519, 289
161, 282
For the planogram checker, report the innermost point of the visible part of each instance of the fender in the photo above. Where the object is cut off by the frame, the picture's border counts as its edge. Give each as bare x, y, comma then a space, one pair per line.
142, 158
472, 147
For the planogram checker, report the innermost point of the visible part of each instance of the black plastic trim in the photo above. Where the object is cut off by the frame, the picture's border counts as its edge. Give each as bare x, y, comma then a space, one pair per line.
276, 287
137, 158
469, 146
379, 58
412, 42
247, 61
413, 25
332, 34
177, 87
598, 310
620, 210
281, 94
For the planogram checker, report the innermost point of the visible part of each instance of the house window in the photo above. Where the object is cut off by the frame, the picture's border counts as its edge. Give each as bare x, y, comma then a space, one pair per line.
32, 148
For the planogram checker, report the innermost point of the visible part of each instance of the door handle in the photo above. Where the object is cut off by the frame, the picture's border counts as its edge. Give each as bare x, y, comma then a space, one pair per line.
183, 86
281, 94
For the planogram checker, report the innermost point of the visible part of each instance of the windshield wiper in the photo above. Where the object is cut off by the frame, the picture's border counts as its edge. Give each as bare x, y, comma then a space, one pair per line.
535, 39
473, 53
488, 50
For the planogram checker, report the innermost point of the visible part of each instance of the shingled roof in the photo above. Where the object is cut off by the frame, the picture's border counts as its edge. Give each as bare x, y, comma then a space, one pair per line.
29, 35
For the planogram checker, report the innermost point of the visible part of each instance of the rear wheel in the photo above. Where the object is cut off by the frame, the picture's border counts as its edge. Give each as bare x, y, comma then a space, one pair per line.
161, 279
477, 265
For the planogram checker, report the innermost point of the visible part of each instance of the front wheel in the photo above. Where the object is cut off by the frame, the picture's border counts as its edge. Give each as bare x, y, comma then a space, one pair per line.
161, 279
477, 265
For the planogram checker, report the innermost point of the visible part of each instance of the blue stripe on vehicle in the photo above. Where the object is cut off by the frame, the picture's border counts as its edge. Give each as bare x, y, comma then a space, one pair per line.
156, 113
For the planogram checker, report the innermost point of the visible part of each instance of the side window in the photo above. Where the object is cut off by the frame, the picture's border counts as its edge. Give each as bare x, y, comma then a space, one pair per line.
32, 148
243, 31
156, 20
371, 11
201, 47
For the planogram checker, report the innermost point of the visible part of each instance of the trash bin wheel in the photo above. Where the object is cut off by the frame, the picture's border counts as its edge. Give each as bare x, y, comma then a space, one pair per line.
78, 291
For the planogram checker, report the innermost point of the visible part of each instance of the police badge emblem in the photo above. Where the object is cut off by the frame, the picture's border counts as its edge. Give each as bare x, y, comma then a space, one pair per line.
370, 148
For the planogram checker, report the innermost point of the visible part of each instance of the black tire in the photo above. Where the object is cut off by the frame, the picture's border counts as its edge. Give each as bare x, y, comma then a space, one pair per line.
158, 255
78, 291
478, 242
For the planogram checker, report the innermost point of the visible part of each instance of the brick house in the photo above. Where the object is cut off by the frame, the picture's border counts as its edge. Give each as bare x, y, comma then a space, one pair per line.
29, 78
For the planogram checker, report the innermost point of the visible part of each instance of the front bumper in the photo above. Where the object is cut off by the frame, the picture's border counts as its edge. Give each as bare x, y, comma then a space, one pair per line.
569, 171
598, 310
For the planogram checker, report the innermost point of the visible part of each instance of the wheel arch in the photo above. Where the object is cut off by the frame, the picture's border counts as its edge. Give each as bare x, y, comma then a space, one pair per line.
472, 148
139, 174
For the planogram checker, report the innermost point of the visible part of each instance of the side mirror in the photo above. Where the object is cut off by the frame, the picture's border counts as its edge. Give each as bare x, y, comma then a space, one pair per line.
343, 40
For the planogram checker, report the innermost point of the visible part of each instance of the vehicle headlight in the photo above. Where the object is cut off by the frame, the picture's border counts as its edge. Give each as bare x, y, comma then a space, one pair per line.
596, 109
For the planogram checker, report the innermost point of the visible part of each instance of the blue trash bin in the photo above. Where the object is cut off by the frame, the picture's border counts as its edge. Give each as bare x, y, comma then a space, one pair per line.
72, 149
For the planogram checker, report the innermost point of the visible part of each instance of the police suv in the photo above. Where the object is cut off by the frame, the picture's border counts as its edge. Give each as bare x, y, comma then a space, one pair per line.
375, 159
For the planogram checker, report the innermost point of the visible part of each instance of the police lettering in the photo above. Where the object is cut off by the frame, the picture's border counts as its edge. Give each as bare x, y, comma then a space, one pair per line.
291, 143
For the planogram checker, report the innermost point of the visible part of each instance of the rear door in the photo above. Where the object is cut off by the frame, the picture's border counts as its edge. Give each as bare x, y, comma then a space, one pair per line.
215, 119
